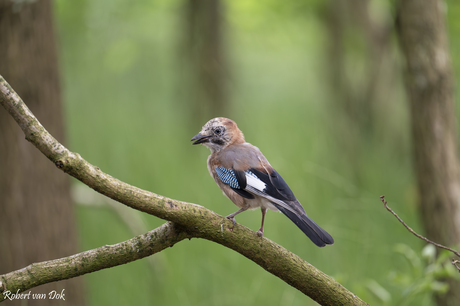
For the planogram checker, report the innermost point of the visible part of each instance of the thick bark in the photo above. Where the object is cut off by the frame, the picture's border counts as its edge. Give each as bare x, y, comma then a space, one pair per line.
429, 83
37, 221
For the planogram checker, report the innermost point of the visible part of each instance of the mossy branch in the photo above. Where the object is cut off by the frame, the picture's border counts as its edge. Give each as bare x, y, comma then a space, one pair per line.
187, 220
93, 260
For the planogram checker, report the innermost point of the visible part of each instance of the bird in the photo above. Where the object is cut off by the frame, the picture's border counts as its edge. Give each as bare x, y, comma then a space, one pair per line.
246, 177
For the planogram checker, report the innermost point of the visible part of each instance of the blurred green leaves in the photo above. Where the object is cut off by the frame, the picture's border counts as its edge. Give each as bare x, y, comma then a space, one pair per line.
124, 99
421, 275
426, 275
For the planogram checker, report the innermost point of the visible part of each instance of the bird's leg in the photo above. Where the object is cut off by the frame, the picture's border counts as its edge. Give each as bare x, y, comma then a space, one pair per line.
232, 216
260, 232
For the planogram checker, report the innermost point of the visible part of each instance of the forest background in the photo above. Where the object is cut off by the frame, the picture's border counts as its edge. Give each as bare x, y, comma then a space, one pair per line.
318, 86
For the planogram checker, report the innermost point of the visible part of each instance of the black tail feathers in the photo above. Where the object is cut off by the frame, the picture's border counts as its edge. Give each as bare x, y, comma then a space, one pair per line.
317, 235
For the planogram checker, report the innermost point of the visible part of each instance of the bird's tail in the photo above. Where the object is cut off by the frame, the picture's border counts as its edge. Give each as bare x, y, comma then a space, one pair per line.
319, 236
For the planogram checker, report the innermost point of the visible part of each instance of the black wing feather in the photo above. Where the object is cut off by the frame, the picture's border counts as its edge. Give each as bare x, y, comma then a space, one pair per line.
276, 186
277, 190
244, 193
316, 234
241, 179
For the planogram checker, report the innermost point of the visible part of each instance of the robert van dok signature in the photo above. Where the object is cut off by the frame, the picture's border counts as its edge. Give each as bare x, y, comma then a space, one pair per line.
52, 295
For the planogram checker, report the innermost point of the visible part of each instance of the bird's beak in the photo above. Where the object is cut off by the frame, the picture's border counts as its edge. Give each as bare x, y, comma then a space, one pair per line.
199, 138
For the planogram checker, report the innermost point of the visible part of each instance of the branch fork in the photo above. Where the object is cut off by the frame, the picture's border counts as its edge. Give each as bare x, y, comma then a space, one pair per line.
186, 220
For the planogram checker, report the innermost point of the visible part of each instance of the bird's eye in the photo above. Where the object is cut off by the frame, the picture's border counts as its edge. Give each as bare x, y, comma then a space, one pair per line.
217, 131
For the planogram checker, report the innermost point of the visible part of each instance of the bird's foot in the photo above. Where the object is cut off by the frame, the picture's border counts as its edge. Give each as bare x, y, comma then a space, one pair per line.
233, 220
260, 232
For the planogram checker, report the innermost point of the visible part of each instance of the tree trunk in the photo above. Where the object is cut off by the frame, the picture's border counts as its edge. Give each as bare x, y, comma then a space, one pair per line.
206, 73
358, 40
37, 219
360, 71
429, 83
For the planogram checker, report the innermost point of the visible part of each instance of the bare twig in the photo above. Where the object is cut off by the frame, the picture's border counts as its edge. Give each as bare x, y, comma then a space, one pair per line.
454, 262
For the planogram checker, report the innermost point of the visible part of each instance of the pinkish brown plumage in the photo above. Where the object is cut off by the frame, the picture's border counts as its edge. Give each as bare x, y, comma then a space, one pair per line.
249, 181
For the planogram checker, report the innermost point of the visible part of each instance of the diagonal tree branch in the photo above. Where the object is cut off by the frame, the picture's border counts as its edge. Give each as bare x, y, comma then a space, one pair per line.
93, 260
196, 220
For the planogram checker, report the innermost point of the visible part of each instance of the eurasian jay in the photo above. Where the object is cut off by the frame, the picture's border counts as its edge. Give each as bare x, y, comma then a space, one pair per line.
248, 180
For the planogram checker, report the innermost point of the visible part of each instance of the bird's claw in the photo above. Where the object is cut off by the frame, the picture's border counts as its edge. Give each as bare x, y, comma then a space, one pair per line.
260, 233
234, 222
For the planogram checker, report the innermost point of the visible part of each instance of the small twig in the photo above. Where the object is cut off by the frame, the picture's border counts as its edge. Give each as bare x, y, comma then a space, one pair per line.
454, 261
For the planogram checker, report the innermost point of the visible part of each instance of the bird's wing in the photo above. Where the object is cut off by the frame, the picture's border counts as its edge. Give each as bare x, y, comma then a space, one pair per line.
258, 182
245, 169
235, 179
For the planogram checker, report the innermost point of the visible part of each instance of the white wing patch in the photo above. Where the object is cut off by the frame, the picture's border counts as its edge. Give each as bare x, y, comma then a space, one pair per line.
253, 181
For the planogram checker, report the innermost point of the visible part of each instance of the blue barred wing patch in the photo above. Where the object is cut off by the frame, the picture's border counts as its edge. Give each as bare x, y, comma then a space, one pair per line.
227, 176
234, 179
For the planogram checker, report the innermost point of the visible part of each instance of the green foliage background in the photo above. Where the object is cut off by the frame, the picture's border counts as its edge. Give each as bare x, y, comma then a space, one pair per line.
127, 112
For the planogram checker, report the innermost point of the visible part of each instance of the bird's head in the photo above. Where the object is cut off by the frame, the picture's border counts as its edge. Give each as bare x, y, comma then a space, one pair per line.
218, 133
